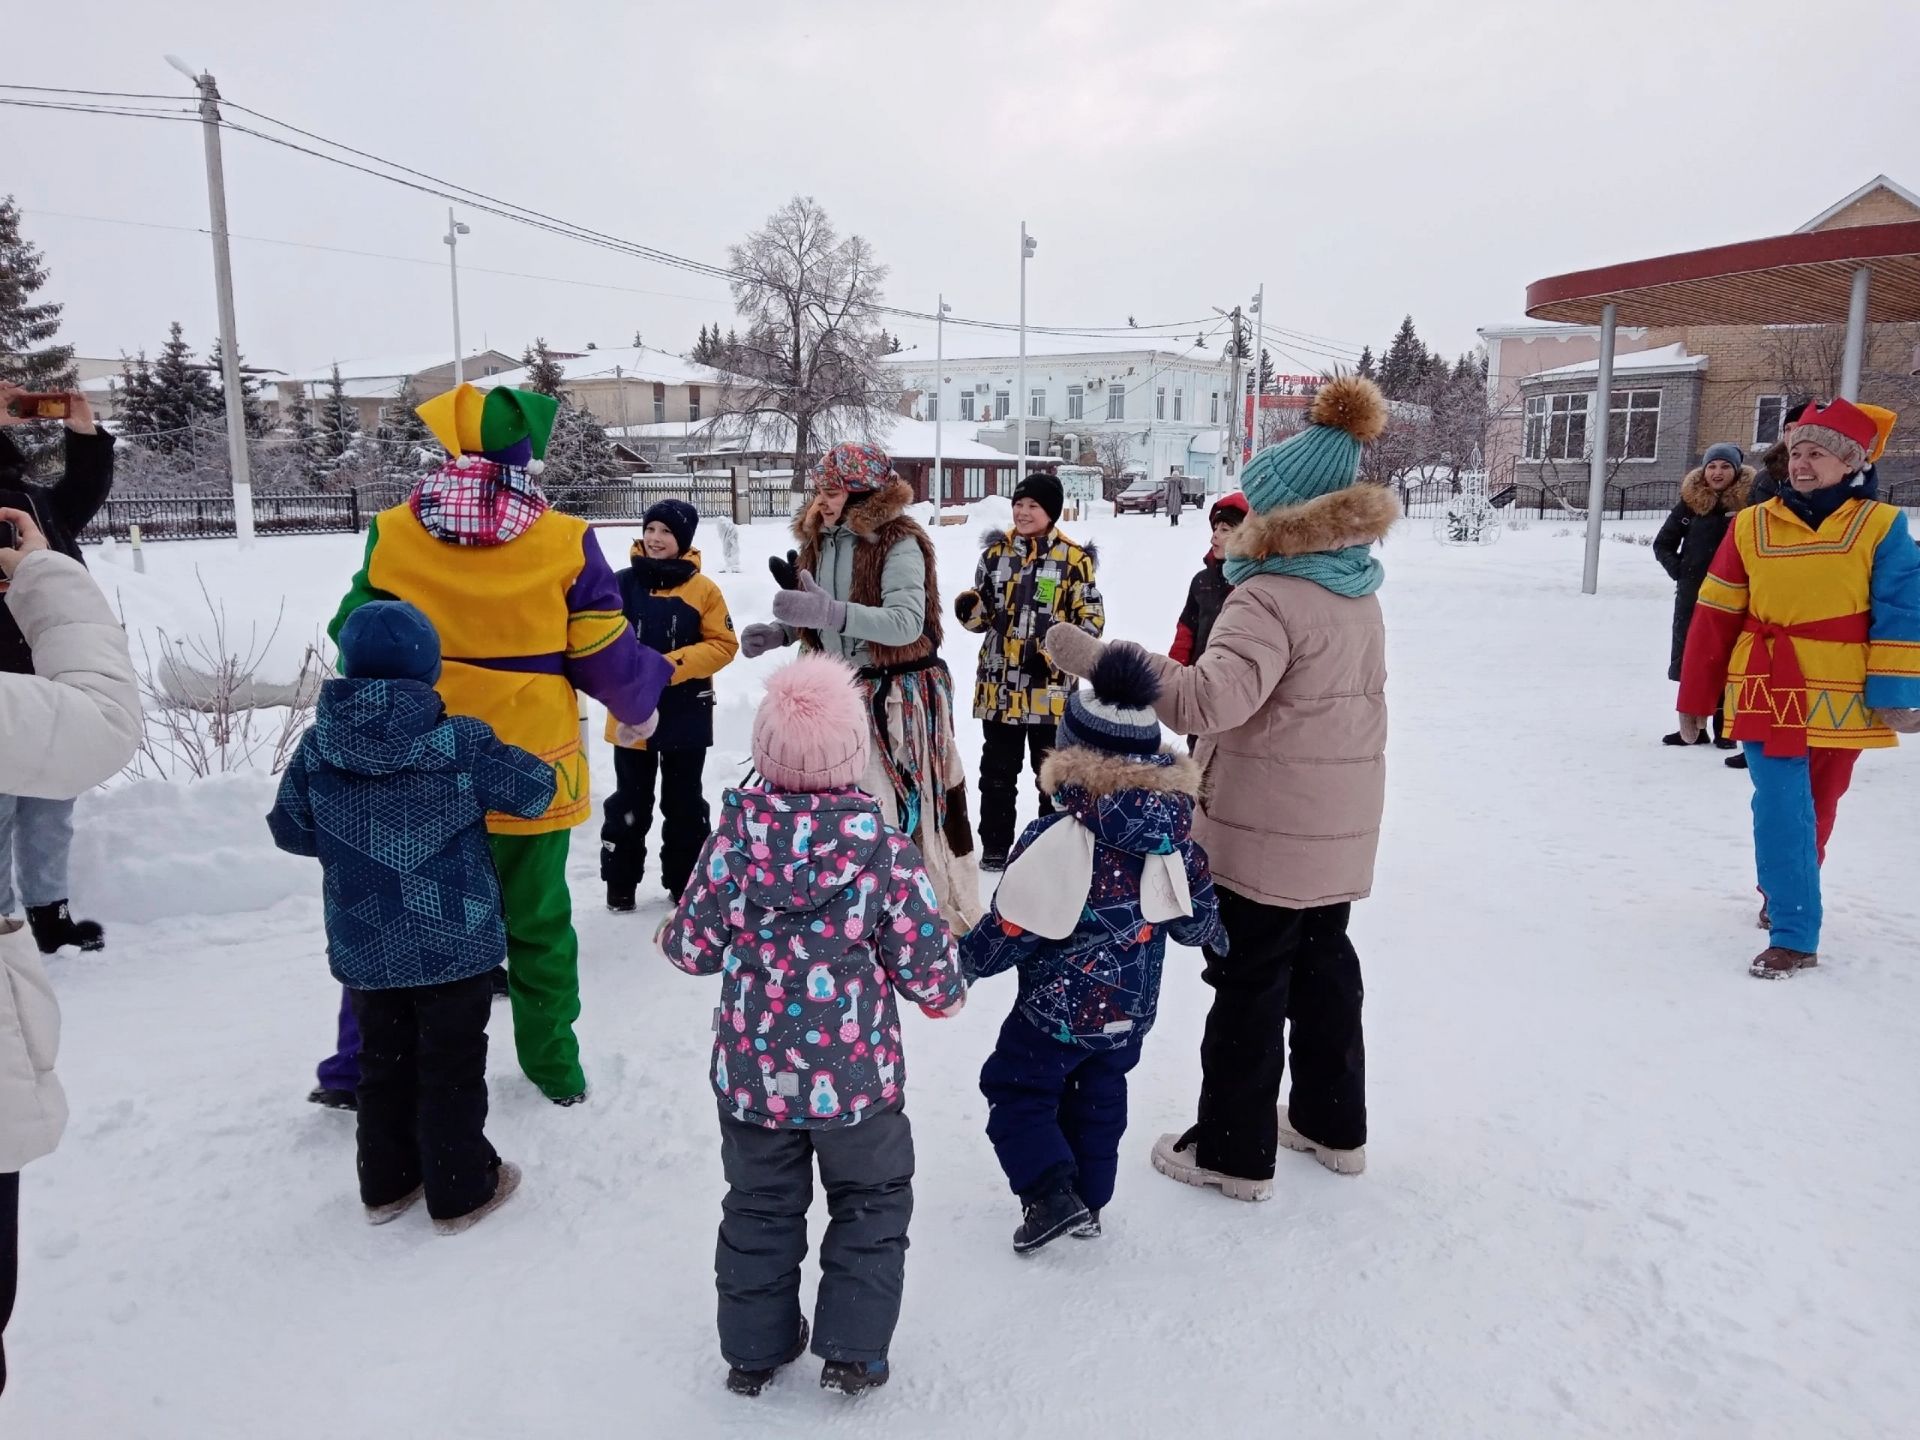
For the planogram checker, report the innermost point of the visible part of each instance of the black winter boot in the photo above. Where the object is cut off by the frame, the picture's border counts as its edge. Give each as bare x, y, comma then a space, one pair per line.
752, 1382
852, 1377
1737, 762
1049, 1216
622, 899
333, 1099
992, 862
55, 928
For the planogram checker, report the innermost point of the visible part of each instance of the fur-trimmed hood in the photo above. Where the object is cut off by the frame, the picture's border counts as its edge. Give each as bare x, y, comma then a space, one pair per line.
1101, 774
865, 518
1361, 514
1699, 497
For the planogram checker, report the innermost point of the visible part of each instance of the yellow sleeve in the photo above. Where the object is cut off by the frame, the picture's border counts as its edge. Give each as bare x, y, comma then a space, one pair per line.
717, 645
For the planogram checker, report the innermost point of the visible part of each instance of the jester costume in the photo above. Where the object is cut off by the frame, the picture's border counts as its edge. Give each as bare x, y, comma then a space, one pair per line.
529, 613
1808, 628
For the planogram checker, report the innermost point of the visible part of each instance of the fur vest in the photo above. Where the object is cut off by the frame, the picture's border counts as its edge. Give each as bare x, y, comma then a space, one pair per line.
879, 523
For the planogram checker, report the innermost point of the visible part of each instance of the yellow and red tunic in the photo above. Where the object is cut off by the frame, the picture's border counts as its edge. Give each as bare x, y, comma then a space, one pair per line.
1806, 632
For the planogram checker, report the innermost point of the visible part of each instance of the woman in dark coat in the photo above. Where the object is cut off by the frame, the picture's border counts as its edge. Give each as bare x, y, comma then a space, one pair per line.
1709, 498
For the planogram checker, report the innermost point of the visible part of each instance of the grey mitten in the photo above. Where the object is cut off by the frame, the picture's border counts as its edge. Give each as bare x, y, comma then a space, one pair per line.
757, 640
810, 607
1905, 722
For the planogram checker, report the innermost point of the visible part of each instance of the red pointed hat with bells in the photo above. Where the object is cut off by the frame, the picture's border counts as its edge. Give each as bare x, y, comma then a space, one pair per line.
1841, 427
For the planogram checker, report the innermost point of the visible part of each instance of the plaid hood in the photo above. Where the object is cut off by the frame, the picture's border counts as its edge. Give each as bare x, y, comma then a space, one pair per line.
472, 501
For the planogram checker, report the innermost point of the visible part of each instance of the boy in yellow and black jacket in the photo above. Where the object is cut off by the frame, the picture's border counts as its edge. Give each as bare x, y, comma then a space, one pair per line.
1030, 577
678, 611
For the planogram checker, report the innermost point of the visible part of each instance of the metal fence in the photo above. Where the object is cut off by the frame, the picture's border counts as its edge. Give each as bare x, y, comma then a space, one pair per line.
1646, 499
210, 517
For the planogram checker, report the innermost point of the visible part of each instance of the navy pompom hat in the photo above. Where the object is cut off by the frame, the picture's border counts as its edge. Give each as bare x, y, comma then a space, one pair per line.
389, 640
678, 516
1113, 711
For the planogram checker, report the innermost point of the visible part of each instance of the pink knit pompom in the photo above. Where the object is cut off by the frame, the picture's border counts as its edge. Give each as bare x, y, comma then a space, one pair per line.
811, 729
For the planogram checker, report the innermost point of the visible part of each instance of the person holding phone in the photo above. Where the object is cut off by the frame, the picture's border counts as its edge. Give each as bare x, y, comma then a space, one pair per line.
36, 834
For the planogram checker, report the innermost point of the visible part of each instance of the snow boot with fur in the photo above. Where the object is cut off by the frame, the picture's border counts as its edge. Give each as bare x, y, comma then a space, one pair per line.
854, 1377
1341, 1162
752, 1382
507, 1182
1177, 1157
1777, 962
54, 928
394, 1209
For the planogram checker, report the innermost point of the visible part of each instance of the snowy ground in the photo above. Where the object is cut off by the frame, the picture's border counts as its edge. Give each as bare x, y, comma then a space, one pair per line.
1616, 1188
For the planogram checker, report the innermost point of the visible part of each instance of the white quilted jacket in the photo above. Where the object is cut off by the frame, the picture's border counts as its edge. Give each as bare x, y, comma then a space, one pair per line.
72, 724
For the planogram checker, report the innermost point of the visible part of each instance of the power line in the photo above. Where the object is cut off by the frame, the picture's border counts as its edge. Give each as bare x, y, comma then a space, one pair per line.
115, 94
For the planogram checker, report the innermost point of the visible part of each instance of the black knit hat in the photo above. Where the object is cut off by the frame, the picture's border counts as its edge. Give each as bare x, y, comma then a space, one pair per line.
678, 516
1045, 491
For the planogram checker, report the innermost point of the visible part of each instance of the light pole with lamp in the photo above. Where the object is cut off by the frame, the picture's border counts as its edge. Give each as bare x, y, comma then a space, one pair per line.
1027, 246
939, 404
1259, 376
223, 297
452, 241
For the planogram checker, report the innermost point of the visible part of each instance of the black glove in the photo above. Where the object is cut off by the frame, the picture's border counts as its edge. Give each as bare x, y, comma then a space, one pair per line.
786, 573
964, 604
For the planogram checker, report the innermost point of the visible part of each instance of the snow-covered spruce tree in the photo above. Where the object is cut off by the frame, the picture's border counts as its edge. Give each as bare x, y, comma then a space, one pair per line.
29, 355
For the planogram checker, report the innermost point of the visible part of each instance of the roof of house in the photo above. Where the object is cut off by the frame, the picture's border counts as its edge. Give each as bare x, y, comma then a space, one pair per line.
1001, 348
634, 362
1879, 182
900, 437
1666, 357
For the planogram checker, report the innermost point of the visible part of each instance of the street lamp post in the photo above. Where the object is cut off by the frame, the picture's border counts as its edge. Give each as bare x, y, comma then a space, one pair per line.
1027, 246
939, 404
452, 241
1259, 343
223, 297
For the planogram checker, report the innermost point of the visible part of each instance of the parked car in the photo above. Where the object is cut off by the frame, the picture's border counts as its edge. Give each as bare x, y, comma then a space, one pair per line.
1143, 496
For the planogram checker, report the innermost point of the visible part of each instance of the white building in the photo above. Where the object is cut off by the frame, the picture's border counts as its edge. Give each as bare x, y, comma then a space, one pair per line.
1174, 406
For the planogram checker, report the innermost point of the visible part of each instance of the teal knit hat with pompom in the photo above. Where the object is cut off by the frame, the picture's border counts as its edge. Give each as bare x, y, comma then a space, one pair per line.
1347, 413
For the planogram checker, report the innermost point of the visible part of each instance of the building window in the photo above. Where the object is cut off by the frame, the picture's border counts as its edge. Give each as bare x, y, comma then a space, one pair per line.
1768, 411
1005, 480
933, 407
1116, 401
1002, 404
1179, 400
1036, 404
1160, 402
975, 480
1556, 427
659, 403
1633, 431
1033, 447
1213, 412
966, 405
1076, 402
693, 402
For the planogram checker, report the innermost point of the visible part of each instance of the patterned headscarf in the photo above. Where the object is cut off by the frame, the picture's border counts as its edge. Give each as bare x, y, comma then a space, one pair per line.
851, 466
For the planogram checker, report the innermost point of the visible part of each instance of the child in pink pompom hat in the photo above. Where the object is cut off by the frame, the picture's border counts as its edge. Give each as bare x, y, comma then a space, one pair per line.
819, 914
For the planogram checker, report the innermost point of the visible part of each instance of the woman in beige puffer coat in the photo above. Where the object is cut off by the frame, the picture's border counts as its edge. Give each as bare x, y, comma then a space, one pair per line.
71, 724
1289, 702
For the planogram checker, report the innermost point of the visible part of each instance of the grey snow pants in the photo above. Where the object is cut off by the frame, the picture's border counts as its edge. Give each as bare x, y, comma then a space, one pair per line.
867, 1171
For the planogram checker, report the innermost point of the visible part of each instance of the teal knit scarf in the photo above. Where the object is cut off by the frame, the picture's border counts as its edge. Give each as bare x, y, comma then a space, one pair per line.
1351, 571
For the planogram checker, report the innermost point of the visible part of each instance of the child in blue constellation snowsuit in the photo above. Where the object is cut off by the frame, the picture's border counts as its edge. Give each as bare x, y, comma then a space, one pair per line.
819, 913
1091, 896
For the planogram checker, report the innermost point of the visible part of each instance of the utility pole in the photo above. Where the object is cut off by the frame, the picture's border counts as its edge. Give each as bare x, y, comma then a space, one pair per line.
1259, 378
1234, 392
1027, 246
452, 238
223, 295
939, 412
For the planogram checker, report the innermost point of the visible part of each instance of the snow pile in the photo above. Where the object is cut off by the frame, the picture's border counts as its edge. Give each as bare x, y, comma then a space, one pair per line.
150, 850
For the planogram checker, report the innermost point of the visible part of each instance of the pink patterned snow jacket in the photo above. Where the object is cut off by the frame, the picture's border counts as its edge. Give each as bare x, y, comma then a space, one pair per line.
817, 911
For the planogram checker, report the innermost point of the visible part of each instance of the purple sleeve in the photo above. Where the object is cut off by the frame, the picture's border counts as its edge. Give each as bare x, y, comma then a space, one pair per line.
604, 657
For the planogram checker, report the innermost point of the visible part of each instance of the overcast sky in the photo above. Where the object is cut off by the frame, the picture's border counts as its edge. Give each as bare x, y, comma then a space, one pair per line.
1364, 160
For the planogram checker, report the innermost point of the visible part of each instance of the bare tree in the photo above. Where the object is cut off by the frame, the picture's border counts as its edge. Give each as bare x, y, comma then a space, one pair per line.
1805, 359
810, 301
1112, 452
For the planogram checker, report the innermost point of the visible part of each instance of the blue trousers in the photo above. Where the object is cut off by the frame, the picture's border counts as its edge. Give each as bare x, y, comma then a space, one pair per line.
1056, 1112
1794, 805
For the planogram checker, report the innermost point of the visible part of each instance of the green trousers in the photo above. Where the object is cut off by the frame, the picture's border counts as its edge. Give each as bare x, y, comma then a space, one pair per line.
543, 959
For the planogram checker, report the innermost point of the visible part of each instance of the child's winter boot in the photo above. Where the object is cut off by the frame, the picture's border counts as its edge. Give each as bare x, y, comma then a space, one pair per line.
1049, 1215
503, 1188
854, 1377
752, 1382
